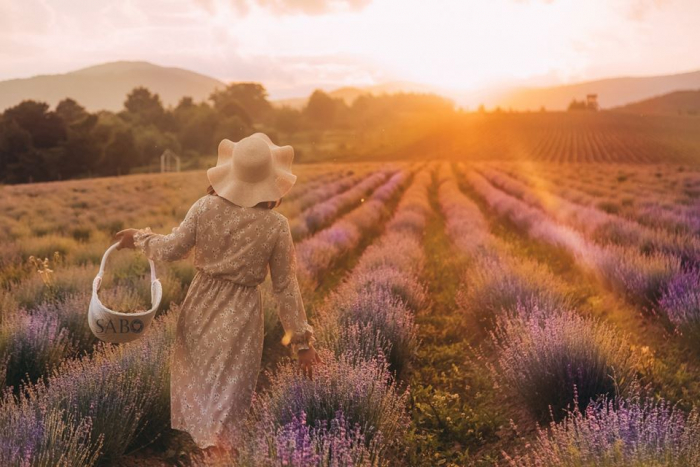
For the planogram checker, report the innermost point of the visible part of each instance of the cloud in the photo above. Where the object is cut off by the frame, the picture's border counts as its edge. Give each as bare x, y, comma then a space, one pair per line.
311, 7
528, 1
638, 10
289, 7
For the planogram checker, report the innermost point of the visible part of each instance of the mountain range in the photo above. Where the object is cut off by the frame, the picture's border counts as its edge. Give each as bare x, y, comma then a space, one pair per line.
612, 92
674, 103
105, 86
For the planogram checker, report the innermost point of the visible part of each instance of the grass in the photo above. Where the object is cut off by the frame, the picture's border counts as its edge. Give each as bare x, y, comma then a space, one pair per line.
455, 414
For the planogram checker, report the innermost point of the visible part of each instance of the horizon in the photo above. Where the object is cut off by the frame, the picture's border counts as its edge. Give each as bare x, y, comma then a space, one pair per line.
314, 44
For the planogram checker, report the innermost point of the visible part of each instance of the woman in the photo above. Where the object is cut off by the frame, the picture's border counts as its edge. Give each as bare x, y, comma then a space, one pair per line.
219, 335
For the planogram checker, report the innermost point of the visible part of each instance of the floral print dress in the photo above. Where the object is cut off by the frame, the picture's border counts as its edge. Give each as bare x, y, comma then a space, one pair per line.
219, 333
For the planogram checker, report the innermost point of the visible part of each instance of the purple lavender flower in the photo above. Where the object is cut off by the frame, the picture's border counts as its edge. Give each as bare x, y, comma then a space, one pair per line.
547, 359
680, 303
611, 432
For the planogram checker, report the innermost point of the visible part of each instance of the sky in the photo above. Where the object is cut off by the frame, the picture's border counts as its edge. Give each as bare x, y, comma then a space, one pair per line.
295, 46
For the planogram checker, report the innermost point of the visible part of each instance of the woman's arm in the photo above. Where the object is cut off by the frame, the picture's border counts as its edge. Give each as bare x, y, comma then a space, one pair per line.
285, 287
159, 247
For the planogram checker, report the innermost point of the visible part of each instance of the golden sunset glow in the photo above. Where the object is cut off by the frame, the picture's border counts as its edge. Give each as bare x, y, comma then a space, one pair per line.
296, 46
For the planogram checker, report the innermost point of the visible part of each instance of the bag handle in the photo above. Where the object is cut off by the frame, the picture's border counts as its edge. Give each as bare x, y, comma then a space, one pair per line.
98, 279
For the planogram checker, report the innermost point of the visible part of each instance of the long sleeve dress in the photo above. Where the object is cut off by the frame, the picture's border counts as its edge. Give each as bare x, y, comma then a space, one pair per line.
219, 333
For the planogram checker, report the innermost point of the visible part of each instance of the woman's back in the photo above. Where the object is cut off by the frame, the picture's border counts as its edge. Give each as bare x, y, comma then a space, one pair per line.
233, 242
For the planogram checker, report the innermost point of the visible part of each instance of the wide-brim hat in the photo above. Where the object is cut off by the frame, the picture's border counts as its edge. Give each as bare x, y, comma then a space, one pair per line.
252, 170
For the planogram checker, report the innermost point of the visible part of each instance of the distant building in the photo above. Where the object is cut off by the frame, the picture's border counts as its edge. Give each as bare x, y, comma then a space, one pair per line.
169, 162
592, 101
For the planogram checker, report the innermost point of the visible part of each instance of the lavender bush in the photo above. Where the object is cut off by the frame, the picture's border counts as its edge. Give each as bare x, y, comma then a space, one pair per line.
377, 310
356, 340
680, 303
71, 313
405, 284
611, 433
31, 345
127, 383
552, 359
494, 287
362, 389
44, 436
298, 444
396, 250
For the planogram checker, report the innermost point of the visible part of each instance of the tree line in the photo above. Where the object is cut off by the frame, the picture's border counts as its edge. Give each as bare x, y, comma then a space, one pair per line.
38, 143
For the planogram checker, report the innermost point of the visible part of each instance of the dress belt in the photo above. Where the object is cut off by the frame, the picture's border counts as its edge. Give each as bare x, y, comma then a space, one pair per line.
222, 279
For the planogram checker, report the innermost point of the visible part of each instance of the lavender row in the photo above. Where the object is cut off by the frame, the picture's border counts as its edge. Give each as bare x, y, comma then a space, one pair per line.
318, 253
656, 281
384, 289
494, 282
599, 225
315, 182
646, 204
520, 301
641, 278
319, 215
366, 331
321, 193
555, 360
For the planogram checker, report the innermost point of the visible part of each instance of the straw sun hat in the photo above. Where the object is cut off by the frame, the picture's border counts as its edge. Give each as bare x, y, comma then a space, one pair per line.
252, 170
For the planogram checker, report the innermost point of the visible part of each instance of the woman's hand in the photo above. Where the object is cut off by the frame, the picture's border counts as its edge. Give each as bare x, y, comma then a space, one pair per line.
306, 358
126, 238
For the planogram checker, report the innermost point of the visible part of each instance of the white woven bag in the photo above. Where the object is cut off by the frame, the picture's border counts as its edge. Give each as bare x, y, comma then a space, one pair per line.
114, 326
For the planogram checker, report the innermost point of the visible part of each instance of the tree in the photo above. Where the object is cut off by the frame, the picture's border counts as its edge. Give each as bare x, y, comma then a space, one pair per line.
287, 120
119, 154
81, 153
233, 128
321, 109
250, 98
143, 107
15, 149
196, 126
70, 111
46, 128
577, 105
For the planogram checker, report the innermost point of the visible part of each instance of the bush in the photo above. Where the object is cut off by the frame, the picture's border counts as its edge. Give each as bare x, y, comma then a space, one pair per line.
33, 345
494, 287
680, 303
611, 433
44, 437
362, 389
553, 359
376, 309
298, 444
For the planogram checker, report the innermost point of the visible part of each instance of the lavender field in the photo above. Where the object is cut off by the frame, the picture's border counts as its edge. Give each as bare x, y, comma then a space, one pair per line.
500, 313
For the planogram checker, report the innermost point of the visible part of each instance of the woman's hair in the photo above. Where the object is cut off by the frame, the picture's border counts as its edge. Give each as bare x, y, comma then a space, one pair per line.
262, 204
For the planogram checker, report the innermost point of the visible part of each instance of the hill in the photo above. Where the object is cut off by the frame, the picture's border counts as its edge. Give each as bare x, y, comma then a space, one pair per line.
104, 87
674, 103
612, 92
